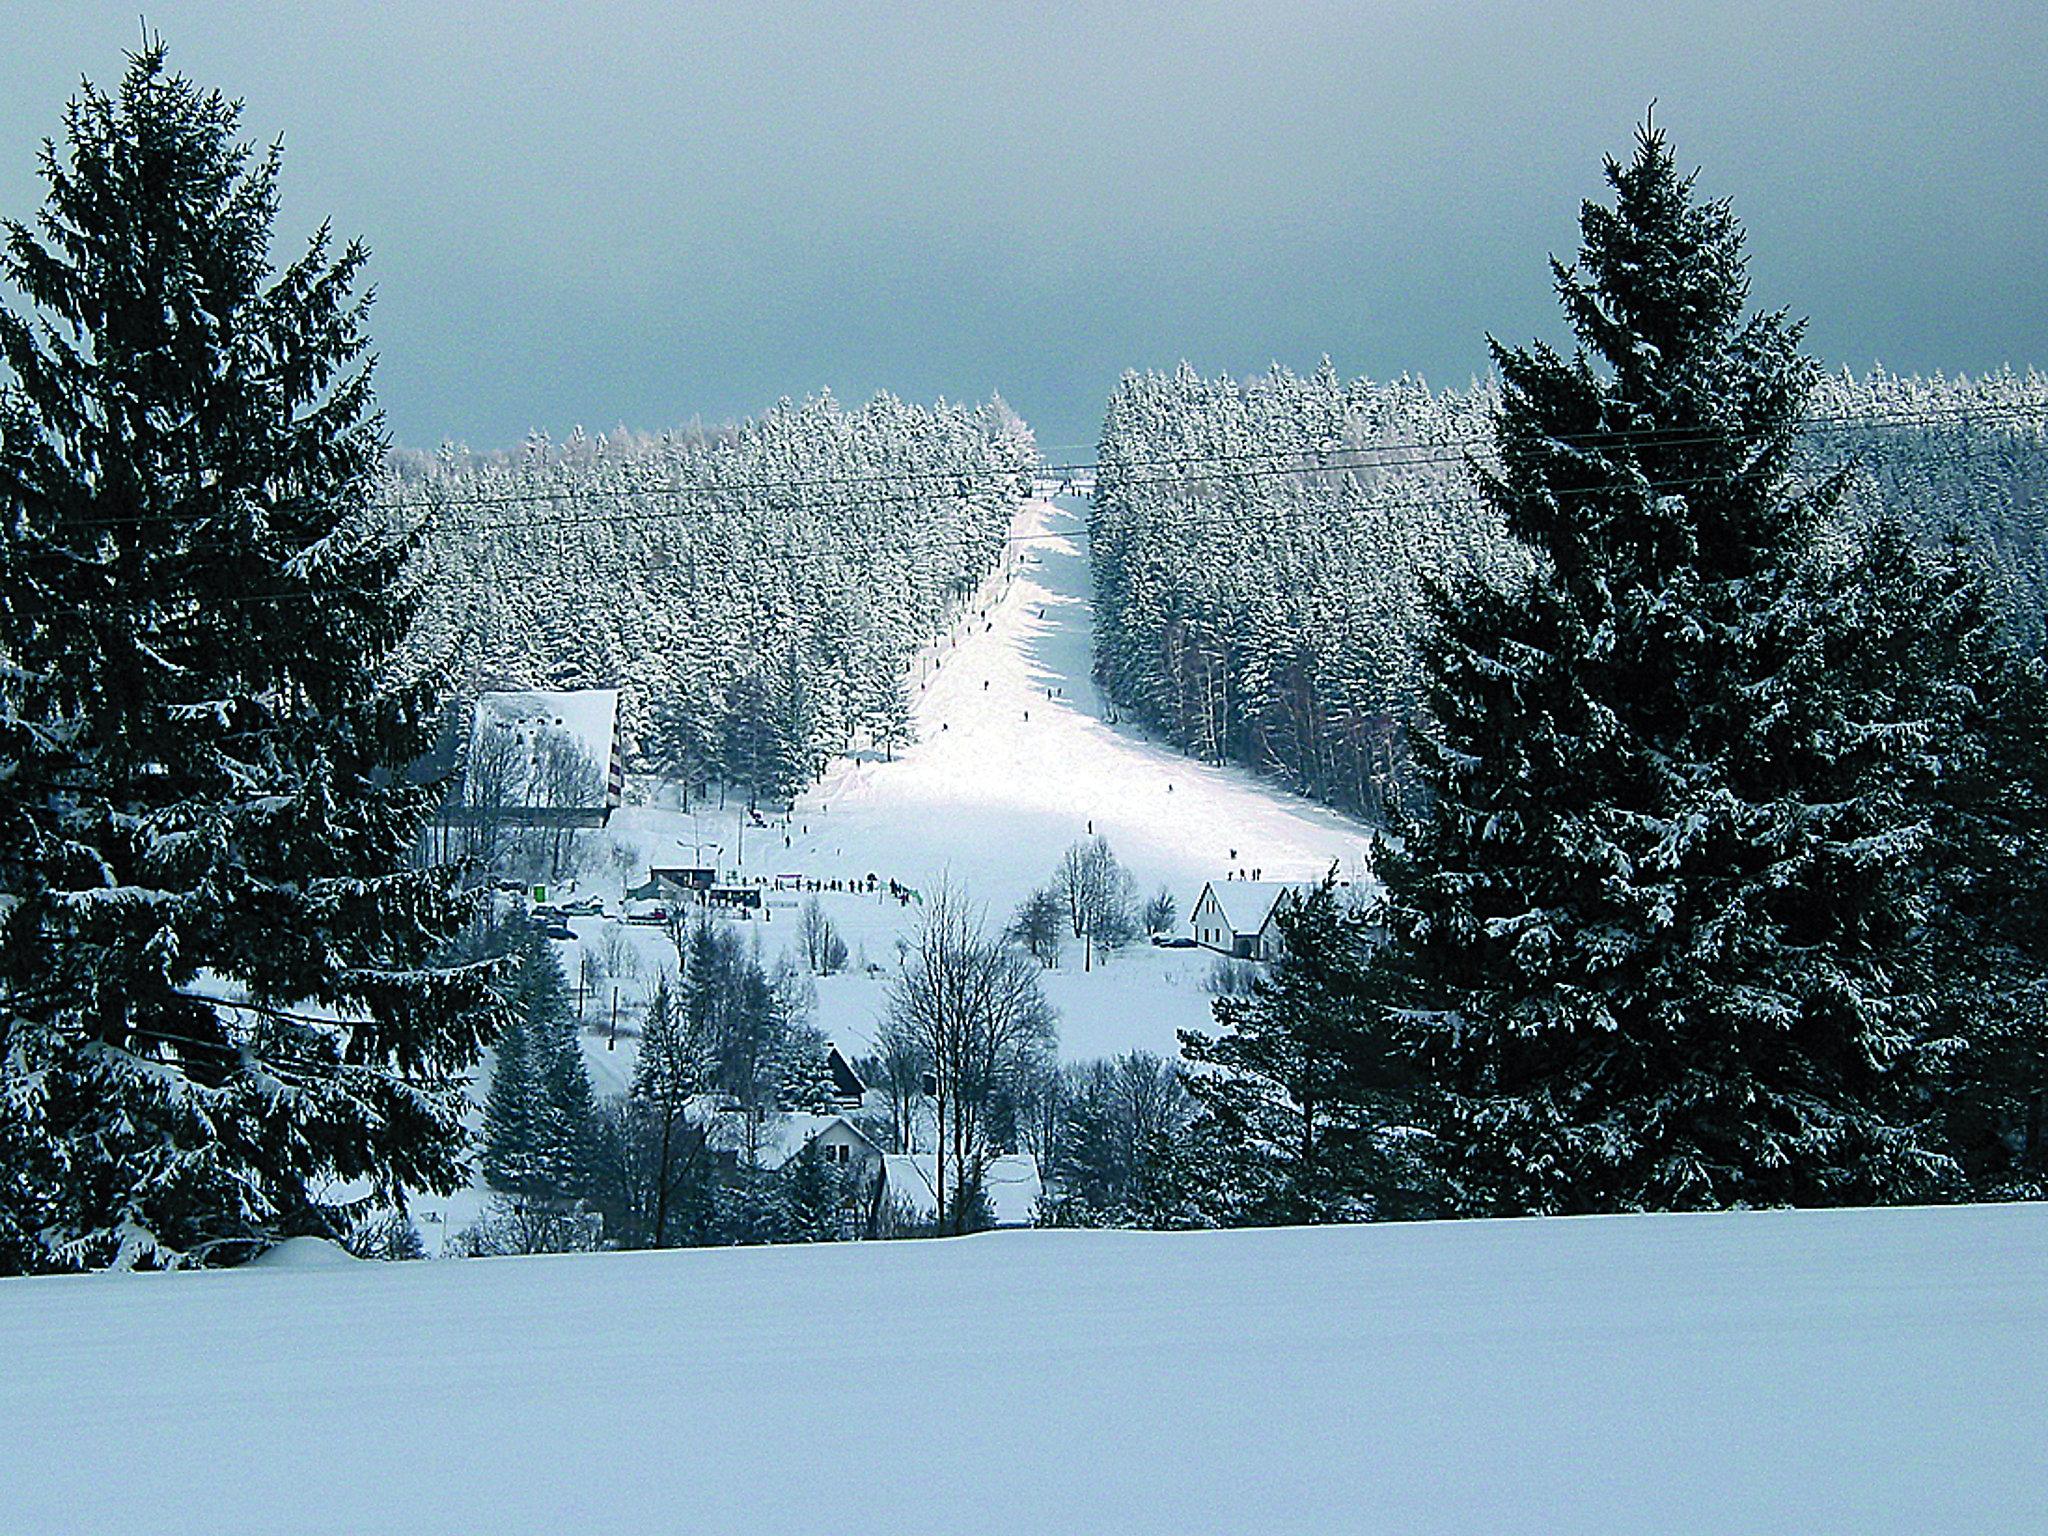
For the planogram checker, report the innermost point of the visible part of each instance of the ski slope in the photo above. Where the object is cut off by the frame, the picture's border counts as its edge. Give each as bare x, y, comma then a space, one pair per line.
1015, 760
1854, 1371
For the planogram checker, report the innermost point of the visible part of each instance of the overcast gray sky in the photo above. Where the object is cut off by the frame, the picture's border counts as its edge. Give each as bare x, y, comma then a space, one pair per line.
647, 211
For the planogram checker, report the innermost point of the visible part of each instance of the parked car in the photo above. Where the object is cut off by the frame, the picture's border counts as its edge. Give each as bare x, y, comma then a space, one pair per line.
1172, 941
589, 906
557, 929
652, 913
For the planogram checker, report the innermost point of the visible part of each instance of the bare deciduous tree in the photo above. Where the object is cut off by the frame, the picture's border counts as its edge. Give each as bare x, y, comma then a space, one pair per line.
1100, 896
824, 949
900, 1072
615, 948
970, 1005
1041, 925
564, 778
491, 788
1160, 911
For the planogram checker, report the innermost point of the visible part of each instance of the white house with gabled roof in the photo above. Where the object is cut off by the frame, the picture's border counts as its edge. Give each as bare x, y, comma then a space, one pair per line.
1235, 917
782, 1137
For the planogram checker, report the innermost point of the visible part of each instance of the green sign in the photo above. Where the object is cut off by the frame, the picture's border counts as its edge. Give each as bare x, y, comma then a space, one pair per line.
540, 894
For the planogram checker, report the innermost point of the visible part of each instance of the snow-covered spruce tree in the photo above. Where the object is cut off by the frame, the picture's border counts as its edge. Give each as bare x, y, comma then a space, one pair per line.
220, 994
1986, 808
1306, 1098
671, 1072
1262, 546
804, 1072
762, 600
1658, 925
816, 1200
1111, 1125
539, 1114
511, 1146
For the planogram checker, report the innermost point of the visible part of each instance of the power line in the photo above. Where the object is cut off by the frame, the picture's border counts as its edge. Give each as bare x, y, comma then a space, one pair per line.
1441, 500
1254, 469
1622, 436
934, 540
1450, 448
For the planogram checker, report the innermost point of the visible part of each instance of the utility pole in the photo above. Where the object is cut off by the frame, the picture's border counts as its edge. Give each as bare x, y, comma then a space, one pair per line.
612, 1041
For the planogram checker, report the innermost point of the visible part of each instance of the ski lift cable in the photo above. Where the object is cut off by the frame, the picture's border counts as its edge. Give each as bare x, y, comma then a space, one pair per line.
935, 541
1391, 454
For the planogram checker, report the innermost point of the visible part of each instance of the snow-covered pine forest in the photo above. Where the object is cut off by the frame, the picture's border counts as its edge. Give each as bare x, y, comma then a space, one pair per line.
756, 593
1262, 546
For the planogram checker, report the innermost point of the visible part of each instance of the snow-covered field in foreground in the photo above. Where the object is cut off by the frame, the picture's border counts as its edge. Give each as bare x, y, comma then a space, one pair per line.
1784, 1371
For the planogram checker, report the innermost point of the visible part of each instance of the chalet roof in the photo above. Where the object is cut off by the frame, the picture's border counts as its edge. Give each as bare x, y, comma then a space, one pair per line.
1247, 904
910, 1178
784, 1136
845, 1081
1014, 1188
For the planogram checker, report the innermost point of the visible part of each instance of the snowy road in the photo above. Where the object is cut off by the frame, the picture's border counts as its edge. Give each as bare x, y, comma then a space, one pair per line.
1851, 1371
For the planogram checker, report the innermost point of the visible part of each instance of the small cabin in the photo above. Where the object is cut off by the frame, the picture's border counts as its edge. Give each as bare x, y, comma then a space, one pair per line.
734, 898
1236, 917
666, 884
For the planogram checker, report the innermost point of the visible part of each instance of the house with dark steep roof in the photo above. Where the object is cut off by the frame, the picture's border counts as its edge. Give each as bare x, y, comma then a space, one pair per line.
847, 1087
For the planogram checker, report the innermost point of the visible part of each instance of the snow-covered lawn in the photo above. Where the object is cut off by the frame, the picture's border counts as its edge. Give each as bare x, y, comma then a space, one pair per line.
1789, 1371
1015, 760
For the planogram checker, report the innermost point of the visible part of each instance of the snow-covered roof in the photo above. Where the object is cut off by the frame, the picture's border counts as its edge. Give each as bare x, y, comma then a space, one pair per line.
1247, 904
782, 1136
1011, 1183
1014, 1188
911, 1180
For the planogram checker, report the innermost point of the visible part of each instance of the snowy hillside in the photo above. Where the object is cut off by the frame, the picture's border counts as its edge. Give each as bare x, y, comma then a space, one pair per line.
1014, 762
1856, 1371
